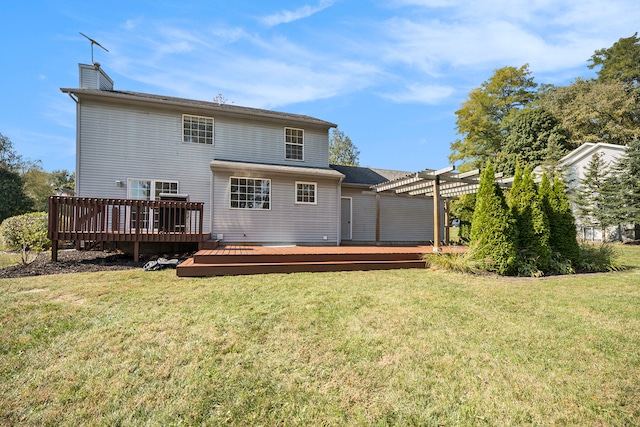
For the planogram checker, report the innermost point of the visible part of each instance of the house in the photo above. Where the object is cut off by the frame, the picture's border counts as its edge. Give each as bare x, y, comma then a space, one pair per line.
263, 177
575, 165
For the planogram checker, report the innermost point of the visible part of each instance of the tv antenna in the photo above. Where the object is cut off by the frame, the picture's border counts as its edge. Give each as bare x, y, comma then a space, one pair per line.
92, 43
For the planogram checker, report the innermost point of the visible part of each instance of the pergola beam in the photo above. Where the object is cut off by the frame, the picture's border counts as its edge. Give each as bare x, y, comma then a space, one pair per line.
439, 184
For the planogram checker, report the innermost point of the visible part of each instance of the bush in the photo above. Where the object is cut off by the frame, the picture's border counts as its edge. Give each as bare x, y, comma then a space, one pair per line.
493, 229
25, 233
457, 263
598, 258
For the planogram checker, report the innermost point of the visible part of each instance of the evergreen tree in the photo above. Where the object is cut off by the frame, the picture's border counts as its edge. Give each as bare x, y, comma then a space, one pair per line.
593, 199
534, 252
564, 232
623, 187
493, 230
562, 226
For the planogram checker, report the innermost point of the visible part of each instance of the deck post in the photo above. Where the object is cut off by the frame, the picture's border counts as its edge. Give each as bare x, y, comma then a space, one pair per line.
54, 251
436, 214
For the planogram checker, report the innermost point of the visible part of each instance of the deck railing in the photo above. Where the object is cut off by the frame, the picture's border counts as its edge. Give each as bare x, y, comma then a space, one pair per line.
92, 219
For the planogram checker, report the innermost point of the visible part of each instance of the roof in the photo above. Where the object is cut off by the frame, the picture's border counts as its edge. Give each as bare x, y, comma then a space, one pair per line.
587, 149
209, 107
366, 176
298, 171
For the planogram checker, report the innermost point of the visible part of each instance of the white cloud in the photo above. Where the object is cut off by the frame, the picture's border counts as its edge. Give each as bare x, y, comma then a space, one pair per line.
423, 94
286, 16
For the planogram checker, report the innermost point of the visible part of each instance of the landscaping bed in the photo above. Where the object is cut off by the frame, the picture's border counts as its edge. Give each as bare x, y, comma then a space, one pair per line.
72, 261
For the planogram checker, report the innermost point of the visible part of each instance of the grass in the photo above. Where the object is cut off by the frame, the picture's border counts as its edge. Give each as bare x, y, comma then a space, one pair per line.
8, 259
404, 347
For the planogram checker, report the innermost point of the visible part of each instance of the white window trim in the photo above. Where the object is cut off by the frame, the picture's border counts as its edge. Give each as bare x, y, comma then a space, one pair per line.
213, 129
250, 209
152, 196
315, 193
284, 136
152, 182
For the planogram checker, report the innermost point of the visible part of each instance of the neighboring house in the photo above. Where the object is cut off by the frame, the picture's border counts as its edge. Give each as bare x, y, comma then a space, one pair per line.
263, 176
574, 166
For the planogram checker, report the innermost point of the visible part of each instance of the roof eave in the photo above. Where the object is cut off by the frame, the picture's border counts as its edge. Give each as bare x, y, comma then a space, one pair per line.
201, 106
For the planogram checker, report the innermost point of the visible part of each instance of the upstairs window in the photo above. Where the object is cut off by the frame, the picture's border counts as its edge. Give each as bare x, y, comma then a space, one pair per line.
197, 129
250, 193
294, 144
306, 193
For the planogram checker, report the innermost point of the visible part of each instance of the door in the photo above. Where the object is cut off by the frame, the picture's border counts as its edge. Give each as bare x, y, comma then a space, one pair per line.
345, 218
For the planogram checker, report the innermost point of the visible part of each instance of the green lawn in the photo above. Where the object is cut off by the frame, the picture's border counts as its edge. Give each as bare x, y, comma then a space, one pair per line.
404, 347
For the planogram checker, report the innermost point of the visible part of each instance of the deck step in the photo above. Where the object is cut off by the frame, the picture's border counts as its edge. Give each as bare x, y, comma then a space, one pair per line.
190, 268
211, 257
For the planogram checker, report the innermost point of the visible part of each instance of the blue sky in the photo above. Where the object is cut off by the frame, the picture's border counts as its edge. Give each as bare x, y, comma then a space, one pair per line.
390, 73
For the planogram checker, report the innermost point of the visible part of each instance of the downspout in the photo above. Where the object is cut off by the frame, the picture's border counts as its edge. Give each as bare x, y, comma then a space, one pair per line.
339, 210
78, 124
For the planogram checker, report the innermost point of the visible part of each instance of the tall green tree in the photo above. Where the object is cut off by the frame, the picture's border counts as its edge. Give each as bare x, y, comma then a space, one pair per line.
534, 251
593, 200
341, 150
9, 158
623, 184
13, 200
482, 117
533, 136
562, 226
595, 111
620, 62
493, 229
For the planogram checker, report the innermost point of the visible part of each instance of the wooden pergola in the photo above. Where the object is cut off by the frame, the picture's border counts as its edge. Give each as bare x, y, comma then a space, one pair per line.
443, 184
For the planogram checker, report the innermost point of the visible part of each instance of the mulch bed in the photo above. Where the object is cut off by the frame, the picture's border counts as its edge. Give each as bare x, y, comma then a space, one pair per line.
72, 261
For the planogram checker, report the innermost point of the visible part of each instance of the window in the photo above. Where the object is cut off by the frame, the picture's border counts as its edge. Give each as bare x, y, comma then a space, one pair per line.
306, 192
141, 189
197, 129
294, 144
249, 193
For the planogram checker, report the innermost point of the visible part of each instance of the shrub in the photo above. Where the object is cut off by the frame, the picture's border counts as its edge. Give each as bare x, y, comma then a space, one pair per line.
493, 229
527, 207
598, 258
25, 233
458, 263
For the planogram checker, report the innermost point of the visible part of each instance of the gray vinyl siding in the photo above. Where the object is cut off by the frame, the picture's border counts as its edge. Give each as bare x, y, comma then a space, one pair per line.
402, 218
406, 219
260, 142
92, 78
285, 222
363, 214
119, 142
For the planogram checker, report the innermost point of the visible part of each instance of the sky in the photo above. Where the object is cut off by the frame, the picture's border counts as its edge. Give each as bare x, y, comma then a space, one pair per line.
390, 73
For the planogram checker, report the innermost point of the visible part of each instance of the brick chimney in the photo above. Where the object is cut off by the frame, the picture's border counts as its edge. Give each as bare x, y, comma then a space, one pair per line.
93, 77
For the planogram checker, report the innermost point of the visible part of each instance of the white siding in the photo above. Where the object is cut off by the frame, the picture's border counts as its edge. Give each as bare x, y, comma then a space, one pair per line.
285, 222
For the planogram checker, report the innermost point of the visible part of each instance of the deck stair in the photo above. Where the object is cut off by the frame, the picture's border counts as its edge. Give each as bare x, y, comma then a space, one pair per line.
241, 260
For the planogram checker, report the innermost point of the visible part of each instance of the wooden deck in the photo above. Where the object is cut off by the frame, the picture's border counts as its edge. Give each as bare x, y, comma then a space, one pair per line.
89, 219
241, 260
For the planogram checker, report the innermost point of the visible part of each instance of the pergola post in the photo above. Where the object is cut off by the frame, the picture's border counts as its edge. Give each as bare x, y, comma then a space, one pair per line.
436, 214
447, 220
377, 218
